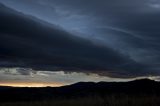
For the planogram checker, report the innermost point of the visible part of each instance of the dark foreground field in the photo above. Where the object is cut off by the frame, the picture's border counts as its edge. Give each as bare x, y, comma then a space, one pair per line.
93, 101
135, 93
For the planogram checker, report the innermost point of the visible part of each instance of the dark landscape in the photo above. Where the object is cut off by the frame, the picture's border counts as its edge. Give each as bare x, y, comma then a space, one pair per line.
79, 53
143, 92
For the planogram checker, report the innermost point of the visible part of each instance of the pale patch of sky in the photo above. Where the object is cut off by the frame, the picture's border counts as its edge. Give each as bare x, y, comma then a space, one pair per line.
48, 78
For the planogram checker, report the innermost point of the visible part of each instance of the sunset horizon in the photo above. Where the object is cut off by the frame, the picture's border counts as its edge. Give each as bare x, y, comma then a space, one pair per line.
79, 52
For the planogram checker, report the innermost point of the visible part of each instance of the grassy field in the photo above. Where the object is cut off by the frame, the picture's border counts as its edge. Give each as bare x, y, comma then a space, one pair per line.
94, 101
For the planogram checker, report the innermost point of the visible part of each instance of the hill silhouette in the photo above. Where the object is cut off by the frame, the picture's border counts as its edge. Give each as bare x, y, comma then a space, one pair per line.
81, 89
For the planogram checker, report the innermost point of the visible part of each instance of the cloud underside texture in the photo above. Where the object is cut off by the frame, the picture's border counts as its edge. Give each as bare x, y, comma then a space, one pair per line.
26, 41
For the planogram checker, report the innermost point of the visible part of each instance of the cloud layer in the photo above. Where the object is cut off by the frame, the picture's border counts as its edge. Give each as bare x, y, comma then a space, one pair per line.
109, 37
15, 77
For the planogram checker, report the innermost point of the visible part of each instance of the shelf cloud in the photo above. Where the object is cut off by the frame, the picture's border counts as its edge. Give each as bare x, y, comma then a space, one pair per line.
108, 37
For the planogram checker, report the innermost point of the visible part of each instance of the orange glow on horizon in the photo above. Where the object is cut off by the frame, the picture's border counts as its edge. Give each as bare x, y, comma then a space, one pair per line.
32, 84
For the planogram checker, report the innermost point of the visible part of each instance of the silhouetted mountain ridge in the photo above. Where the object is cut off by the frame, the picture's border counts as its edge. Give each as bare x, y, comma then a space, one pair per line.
103, 83
81, 89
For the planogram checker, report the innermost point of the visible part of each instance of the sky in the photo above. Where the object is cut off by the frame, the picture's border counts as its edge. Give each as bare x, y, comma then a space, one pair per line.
83, 40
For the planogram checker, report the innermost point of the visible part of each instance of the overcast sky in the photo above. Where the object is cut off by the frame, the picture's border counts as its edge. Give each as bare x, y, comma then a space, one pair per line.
115, 38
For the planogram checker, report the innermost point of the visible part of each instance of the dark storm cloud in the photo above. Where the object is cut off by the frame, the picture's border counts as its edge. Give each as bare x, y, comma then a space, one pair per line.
135, 23
132, 27
39, 45
123, 41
